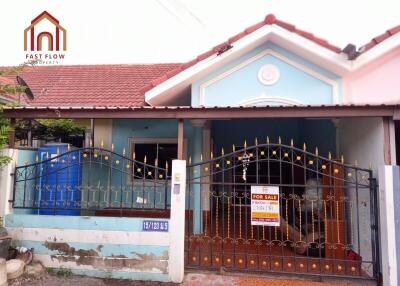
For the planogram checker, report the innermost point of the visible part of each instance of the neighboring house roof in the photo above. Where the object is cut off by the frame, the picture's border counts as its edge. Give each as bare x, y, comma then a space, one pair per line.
6, 81
379, 39
90, 85
6, 97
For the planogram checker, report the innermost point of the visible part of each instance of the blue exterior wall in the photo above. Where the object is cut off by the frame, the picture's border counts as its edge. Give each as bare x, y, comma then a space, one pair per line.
123, 129
243, 84
159, 128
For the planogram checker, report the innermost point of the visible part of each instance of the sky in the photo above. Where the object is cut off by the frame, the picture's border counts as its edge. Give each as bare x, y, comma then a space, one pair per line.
149, 31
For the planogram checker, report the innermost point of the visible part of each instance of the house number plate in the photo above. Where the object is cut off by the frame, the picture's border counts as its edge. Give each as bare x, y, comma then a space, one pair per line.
155, 225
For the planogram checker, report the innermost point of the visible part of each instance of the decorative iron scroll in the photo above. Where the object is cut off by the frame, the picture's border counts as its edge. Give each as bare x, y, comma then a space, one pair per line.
328, 213
90, 179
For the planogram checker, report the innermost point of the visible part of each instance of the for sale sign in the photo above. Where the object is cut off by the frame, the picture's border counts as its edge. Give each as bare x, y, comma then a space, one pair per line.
265, 205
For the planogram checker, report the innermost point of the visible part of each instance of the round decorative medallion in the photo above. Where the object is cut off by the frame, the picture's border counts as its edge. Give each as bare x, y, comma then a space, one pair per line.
268, 74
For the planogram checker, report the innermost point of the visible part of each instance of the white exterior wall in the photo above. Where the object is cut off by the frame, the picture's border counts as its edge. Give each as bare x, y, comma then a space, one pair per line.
6, 182
389, 201
362, 140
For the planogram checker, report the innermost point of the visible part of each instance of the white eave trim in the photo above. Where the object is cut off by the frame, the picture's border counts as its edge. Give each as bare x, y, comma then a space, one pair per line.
311, 51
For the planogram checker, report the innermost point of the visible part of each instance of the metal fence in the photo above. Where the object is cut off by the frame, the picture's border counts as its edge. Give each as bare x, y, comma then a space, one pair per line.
90, 181
326, 223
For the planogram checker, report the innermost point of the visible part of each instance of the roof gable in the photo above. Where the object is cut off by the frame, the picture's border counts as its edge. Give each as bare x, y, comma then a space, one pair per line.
304, 44
289, 79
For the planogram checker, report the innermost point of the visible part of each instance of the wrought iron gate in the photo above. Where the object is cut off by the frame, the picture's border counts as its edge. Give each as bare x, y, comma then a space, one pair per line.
91, 181
328, 221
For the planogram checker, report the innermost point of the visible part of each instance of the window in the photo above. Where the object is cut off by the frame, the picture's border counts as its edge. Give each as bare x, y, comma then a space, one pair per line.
155, 151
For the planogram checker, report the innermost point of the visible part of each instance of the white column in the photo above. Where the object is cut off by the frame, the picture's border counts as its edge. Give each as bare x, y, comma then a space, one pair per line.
389, 214
7, 182
176, 263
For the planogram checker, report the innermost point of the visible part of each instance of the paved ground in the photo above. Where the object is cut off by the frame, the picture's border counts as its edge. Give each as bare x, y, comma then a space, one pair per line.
197, 279
50, 280
190, 280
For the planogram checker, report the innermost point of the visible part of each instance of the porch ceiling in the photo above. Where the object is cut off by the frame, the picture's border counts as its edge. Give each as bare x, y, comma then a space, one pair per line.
185, 112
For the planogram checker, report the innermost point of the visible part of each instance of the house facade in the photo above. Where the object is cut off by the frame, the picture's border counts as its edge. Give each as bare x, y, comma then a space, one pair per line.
286, 162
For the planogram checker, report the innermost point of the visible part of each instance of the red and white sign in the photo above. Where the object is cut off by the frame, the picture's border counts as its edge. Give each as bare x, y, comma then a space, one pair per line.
265, 205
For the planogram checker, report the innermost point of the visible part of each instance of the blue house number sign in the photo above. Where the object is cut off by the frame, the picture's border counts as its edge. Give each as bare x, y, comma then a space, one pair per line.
155, 225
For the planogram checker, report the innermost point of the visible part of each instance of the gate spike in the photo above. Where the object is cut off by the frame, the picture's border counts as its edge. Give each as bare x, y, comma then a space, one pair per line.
370, 165
256, 141
69, 147
156, 162
279, 140
222, 151
330, 155
102, 143
233, 147
342, 159
134, 156
304, 146
145, 159
90, 143
37, 158
166, 165
190, 160
212, 155
291, 142
58, 151
47, 155
267, 139
355, 163
112, 146
201, 158
245, 144
316, 151
123, 152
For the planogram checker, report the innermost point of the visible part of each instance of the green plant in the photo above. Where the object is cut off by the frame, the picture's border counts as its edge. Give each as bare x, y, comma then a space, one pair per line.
7, 88
60, 272
64, 272
4, 130
61, 127
11, 89
50, 270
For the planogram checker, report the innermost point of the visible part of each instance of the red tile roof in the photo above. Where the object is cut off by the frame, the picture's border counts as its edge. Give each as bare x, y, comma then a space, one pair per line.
269, 20
91, 85
378, 39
